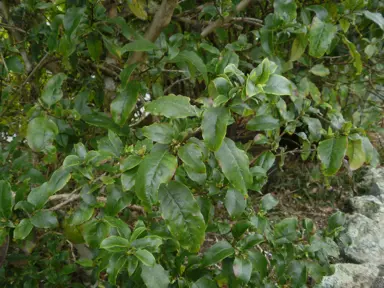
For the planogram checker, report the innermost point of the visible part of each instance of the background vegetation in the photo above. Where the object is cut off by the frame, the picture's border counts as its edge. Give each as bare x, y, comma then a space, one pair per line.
146, 130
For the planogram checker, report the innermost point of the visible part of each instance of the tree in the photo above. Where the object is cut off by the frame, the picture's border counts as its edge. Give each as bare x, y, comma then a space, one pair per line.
126, 124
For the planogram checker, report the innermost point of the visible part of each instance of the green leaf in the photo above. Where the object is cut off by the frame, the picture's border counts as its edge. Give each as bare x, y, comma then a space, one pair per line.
227, 57
44, 219
250, 241
182, 215
5, 200
115, 244
23, 229
95, 46
235, 203
158, 167
320, 70
94, 232
52, 92
14, 64
159, 132
171, 106
155, 277
331, 153
58, 180
214, 126
217, 252
123, 104
130, 162
355, 153
139, 45
192, 156
115, 265
279, 85
116, 200
72, 19
138, 7
128, 179
71, 161
39, 195
298, 46
122, 227
204, 282
285, 231
242, 269
235, 165
375, 17
40, 133
268, 202
137, 232
314, 127
133, 262
265, 160
145, 257
193, 59
286, 9
321, 35
336, 220
263, 122
100, 120
357, 63
81, 215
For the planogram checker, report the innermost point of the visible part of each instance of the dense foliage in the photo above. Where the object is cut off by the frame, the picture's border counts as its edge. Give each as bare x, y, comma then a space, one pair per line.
142, 129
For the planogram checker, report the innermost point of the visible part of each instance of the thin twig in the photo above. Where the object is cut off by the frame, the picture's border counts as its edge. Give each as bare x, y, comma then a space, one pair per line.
174, 83
37, 67
10, 27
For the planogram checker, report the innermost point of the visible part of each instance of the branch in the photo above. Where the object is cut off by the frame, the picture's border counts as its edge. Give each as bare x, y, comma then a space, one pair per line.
219, 22
14, 32
69, 197
162, 18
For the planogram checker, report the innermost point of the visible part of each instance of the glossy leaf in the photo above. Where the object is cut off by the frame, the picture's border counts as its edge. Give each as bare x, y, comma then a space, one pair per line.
320, 37
52, 92
214, 126
5, 200
242, 269
155, 276
23, 229
279, 85
356, 153
115, 244
40, 133
320, 70
331, 153
123, 104
159, 132
263, 122
171, 106
182, 215
158, 167
145, 257
217, 252
235, 203
235, 165
44, 219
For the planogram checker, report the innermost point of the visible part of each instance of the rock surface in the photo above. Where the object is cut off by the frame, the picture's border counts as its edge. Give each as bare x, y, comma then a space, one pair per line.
351, 276
365, 228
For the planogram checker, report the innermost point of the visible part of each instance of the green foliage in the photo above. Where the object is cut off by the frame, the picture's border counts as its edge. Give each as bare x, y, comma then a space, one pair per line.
146, 149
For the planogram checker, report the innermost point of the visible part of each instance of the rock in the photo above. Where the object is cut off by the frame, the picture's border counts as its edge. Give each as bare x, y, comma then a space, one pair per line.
367, 205
367, 237
373, 182
351, 276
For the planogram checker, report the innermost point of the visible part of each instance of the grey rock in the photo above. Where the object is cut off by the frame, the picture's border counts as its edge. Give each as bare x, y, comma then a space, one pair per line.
367, 205
351, 276
367, 237
373, 182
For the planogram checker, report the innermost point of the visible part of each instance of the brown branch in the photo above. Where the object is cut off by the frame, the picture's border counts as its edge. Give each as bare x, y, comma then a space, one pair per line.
220, 22
162, 18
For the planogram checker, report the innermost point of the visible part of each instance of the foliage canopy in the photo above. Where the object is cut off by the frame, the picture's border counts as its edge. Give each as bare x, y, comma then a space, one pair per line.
144, 128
